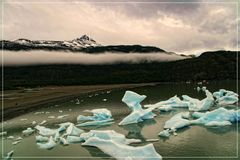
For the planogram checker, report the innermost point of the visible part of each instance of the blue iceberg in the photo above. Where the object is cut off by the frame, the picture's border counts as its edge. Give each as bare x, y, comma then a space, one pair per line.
174, 102
177, 122
200, 105
28, 131
218, 117
46, 131
138, 114
225, 97
100, 117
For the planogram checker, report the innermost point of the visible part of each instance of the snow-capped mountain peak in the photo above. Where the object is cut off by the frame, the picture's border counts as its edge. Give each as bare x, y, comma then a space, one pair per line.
86, 41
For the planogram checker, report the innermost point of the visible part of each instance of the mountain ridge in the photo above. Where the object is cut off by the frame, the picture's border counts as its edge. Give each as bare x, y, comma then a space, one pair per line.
82, 44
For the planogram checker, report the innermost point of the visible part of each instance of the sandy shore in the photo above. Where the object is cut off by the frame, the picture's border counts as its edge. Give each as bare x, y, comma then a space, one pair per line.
17, 102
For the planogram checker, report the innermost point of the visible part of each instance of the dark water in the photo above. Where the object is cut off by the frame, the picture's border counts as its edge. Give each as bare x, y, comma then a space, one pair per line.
190, 143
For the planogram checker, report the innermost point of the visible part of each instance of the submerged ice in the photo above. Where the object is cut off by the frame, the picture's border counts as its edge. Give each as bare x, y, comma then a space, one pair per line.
138, 114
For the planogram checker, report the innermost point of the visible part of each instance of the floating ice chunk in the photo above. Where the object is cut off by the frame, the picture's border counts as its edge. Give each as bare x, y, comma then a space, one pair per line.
217, 123
164, 133
49, 145
62, 116
9, 155
23, 119
197, 105
51, 117
60, 111
3, 133
63, 141
96, 123
197, 114
46, 131
138, 114
43, 122
47, 112
122, 151
64, 126
40, 138
225, 97
176, 122
104, 100
10, 137
165, 108
100, 117
173, 102
98, 114
108, 135
198, 89
16, 142
19, 139
77, 101
28, 131
204, 88
73, 131
74, 139
218, 117
34, 122
152, 140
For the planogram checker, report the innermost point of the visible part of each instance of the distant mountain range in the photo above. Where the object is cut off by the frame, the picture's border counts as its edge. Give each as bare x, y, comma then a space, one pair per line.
82, 44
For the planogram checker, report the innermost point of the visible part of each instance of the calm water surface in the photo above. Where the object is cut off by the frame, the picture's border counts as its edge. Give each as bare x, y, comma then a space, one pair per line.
194, 141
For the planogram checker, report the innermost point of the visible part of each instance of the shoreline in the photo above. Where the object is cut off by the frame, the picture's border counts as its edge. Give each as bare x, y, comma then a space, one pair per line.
18, 102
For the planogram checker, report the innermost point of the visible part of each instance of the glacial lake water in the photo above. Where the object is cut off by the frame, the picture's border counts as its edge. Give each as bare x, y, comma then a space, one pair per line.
192, 142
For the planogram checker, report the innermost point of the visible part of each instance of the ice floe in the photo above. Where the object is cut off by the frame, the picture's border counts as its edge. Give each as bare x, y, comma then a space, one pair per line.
116, 145
100, 117
3, 133
225, 97
200, 105
49, 145
138, 114
217, 117
45, 131
177, 122
28, 131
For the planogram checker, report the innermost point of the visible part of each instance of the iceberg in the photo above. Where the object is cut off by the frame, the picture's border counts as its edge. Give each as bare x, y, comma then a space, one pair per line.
218, 117
164, 133
122, 151
225, 97
16, 142
49, 145
116, 145
74, 139
96, 123
177, 122
9, 155
46, 131
63, 141
108, 135
3, 133
73, 131
138, 114
100, 117
28, 131
62, 116
40, 138
167, 105
10, 137
197, 105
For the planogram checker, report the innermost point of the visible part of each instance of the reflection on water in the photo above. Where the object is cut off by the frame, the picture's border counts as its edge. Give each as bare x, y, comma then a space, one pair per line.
191, 141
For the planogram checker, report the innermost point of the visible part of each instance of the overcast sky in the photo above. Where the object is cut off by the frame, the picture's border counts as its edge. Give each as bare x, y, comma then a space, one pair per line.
178, 27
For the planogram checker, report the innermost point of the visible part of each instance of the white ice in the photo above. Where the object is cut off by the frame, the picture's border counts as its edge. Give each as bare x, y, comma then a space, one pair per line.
164, 133
177, 121
138, 114
28, 131
40, 138
73, 130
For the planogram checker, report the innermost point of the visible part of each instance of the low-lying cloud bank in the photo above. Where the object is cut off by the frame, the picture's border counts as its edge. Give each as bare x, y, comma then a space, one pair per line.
43, 57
